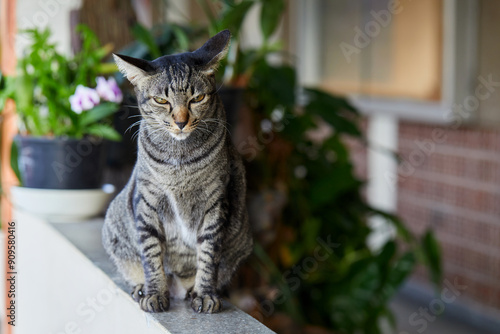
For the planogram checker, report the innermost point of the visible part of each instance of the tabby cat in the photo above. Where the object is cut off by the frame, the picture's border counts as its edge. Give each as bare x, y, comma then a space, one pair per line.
180, 226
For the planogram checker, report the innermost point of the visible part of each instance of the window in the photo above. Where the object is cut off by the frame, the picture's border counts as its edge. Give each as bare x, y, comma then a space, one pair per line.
410, 58
382, 48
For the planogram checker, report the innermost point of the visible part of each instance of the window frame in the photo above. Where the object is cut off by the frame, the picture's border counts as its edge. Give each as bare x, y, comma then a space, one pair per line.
459, 59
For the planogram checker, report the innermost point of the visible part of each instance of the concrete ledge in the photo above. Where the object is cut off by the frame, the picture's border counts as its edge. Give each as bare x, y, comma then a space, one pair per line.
67, 285
462, 312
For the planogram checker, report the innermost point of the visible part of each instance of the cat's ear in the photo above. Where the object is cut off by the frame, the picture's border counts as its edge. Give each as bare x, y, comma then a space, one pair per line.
133, 69
213, 51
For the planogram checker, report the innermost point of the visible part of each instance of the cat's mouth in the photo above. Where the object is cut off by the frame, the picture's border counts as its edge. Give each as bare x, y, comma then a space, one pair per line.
180, 135
181, 131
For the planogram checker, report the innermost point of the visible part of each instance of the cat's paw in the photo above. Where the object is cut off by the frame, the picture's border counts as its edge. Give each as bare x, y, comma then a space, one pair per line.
206, 303
155, 303
138, 293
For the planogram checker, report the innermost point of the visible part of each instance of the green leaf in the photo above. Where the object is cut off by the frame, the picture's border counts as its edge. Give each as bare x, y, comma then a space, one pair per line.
104, 131
365, 282
309, 234
401, 270
14, 162
327, 188
146, 37
7, 90
270, 15
233, 16
333, 110
181, 37
333, 101
24, 92
386, 254
107, 68
275, 85
98, 112
432, 254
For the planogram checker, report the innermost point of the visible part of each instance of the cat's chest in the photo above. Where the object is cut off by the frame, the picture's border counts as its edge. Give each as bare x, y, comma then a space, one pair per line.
183, 214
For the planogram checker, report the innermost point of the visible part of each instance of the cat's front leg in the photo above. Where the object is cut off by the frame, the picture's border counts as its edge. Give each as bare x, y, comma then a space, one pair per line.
154, 296
204, 296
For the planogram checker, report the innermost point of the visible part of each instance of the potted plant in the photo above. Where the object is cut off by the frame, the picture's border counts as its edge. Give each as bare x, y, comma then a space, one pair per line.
63, 107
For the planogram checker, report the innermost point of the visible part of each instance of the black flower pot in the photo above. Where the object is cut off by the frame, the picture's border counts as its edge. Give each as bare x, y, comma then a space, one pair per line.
232, 98
60, 163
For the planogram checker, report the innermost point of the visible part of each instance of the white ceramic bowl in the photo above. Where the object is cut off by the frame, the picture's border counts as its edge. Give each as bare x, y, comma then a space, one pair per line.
62, 206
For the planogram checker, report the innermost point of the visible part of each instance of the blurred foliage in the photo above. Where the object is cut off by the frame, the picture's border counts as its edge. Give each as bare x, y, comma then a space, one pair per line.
348, 287
231, 14
162, 39
44, 81
320, 263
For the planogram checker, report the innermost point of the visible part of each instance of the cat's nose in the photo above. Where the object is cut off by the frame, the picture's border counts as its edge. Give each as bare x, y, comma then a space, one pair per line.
181, 125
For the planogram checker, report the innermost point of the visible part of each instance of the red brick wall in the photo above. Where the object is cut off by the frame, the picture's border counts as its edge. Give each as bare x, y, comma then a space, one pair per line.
455, 188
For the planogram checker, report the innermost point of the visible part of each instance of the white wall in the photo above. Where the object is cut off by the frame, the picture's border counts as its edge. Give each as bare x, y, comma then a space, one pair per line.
46, 13
381, 192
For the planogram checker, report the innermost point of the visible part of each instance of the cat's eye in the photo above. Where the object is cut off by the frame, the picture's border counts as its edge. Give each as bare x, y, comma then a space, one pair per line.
198, 98
160, 100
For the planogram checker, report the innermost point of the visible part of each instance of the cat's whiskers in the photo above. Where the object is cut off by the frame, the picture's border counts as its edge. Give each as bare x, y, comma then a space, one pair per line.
218, 121
205, 130
149, 136
134, 124
156, 132
150, 120
207, 127
218, 88
132, 116
134, 136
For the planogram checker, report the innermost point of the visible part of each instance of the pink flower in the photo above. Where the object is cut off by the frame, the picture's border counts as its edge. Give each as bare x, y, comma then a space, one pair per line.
109, 90
85, 98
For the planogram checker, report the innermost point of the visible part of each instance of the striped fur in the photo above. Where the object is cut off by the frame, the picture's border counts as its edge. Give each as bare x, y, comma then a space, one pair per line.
180, 222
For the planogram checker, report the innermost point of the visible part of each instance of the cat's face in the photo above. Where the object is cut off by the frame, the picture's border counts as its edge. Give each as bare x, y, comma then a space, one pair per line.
178, 98
177, 93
